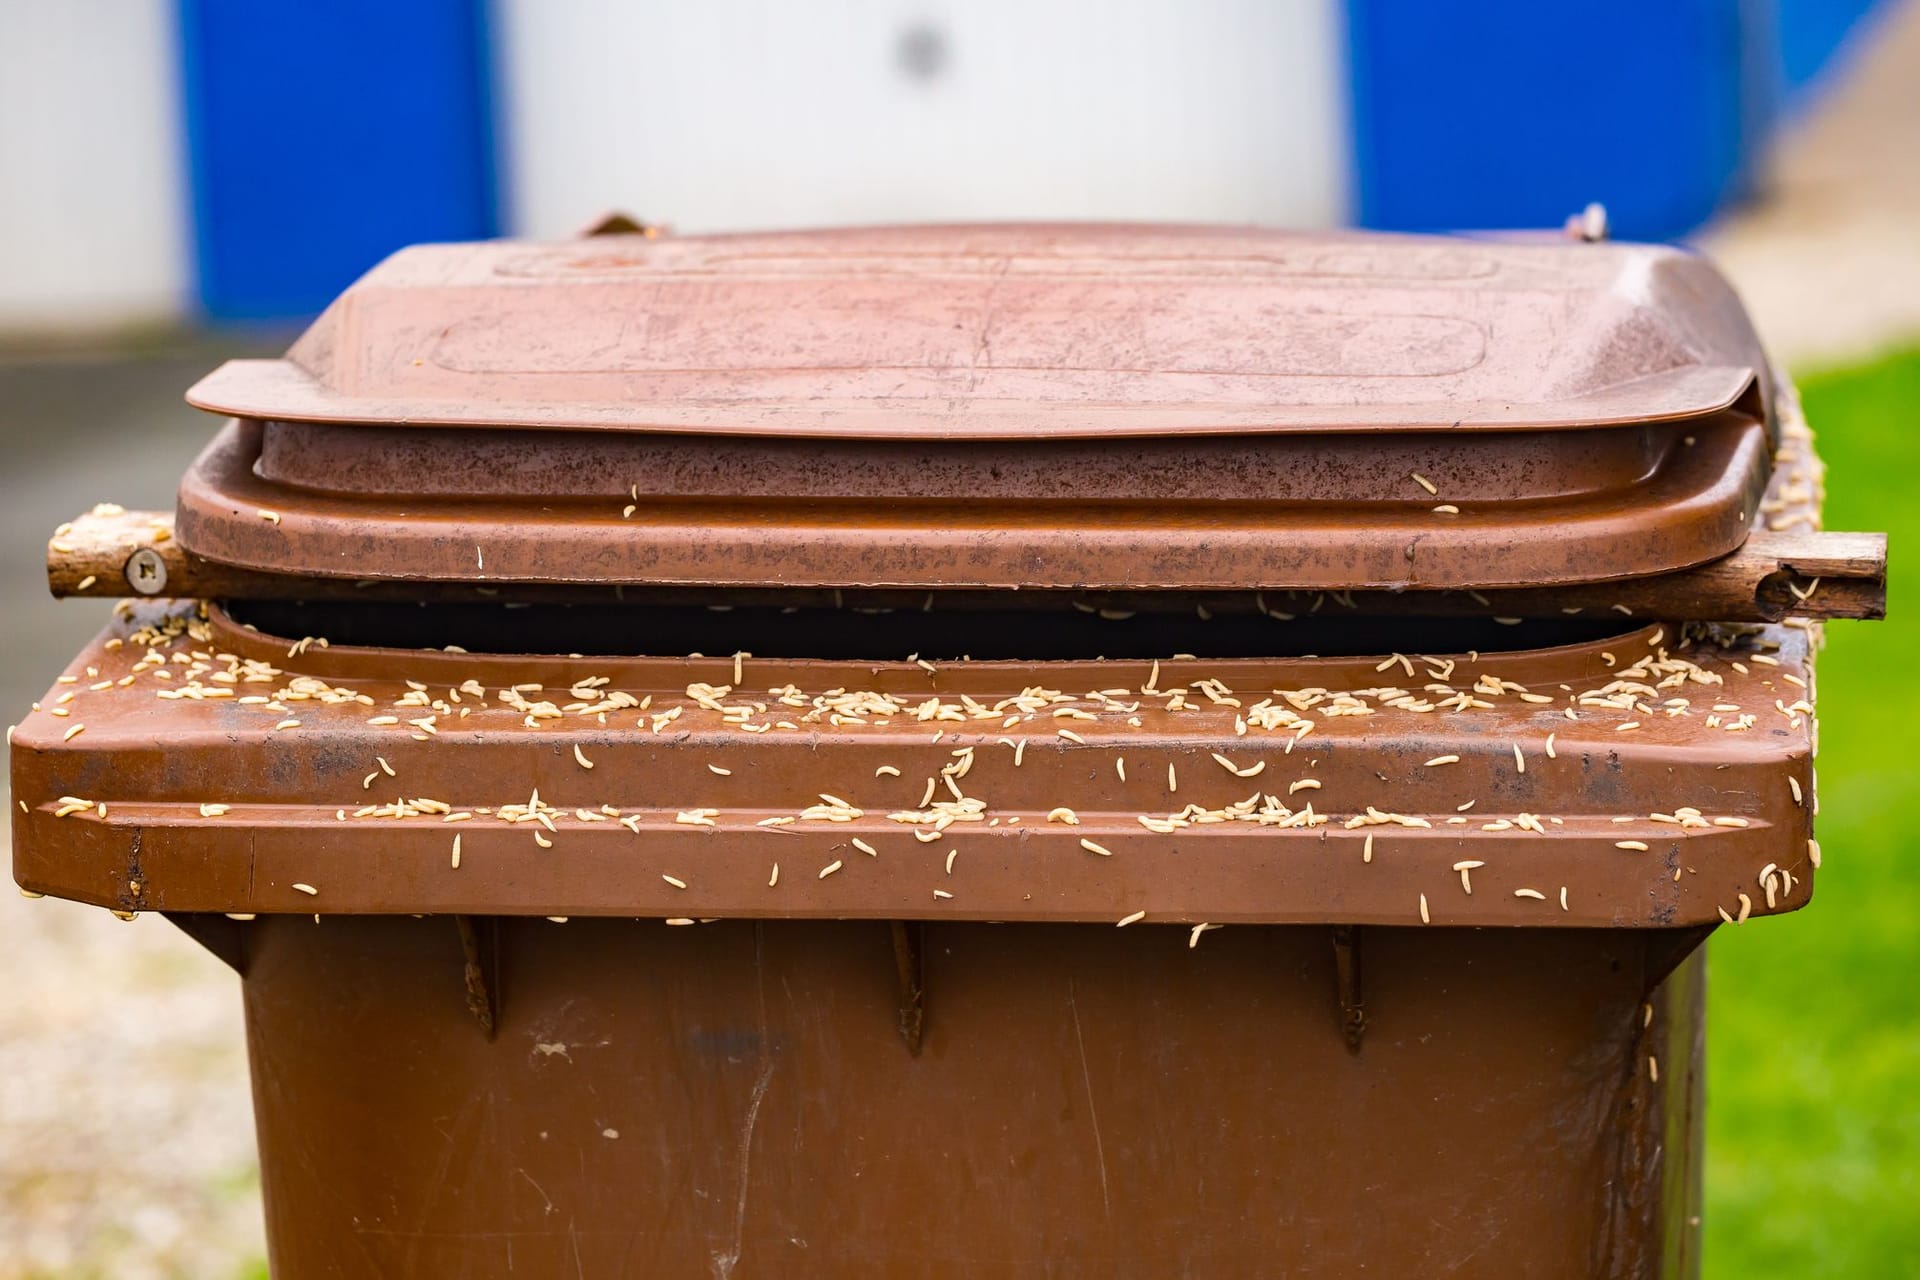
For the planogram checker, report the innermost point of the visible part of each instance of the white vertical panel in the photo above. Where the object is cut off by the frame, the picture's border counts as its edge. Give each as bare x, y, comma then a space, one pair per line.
727, 114
91, 193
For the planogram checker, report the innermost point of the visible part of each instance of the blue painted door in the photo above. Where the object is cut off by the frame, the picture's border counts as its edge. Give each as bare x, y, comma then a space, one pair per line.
324, 134
1514, 113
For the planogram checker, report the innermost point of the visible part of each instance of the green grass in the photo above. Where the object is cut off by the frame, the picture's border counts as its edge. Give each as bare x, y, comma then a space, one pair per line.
1813, 1112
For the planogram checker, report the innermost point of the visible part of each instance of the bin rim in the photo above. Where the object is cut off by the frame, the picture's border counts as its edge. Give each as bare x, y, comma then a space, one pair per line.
246, 808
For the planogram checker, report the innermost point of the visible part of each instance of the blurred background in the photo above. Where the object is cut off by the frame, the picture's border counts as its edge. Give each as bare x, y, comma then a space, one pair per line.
184, 180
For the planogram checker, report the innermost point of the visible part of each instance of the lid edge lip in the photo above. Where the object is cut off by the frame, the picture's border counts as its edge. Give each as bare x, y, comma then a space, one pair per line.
85, 862
247, 389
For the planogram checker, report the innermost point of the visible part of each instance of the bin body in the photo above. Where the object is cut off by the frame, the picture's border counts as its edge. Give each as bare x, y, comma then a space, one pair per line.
711, 759
736, 1099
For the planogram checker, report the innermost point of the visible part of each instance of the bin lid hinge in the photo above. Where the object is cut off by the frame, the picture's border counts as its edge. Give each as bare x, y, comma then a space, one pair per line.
1346, 976
478, 947
909, 949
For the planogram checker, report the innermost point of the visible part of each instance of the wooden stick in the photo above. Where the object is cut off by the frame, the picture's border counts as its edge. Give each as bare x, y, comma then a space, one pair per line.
110, 552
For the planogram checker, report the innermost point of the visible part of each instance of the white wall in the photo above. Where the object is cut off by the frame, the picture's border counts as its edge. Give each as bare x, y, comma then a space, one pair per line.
727, 114
92, 199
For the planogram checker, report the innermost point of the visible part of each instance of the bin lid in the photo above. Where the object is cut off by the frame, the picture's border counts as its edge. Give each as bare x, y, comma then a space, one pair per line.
1013, 333
939, 406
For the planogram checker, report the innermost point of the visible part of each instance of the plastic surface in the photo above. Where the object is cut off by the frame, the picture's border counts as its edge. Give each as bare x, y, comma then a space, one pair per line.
1694, 506
735, 1100
1307, 806
1014, 332
937, 407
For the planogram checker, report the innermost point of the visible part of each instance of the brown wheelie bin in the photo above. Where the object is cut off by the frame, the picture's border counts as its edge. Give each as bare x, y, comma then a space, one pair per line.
969, 751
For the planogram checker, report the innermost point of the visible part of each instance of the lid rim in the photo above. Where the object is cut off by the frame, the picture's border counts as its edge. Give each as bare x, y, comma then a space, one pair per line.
281, 391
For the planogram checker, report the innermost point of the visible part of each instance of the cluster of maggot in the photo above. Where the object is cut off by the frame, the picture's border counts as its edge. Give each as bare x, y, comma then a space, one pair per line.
179, 654
1797, 489
1646, 687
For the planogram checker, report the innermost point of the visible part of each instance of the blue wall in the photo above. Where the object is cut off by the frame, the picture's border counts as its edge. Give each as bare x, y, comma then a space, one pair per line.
1516, 113
1814, 35
323, 135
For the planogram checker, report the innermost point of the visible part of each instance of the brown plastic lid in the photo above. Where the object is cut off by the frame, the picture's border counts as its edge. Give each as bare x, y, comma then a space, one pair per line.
1013, 332
938, 408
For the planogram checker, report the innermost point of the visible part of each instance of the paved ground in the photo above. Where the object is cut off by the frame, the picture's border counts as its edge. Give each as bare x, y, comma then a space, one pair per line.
1830, 262
126, 1140
126, 1146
